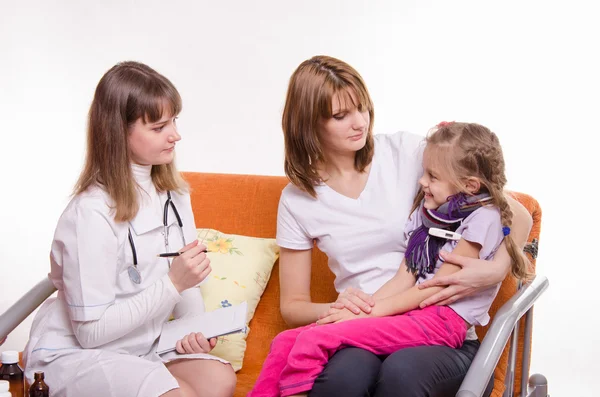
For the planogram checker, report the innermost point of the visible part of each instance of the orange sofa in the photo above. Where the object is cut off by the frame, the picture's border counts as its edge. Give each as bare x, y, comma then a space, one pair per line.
247, 205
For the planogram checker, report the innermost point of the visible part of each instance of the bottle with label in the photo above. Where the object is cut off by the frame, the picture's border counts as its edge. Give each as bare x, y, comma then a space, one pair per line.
39, 388
12, 372
4, 385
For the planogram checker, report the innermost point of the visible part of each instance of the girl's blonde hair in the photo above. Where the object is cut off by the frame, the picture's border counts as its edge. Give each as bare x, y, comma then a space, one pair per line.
463, 150
127, 92
309, 99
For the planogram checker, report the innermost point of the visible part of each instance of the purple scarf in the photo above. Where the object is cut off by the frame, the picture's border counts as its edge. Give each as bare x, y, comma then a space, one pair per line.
423, 250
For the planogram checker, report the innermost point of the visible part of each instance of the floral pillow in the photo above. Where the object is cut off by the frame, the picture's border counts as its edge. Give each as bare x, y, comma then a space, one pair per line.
241, 268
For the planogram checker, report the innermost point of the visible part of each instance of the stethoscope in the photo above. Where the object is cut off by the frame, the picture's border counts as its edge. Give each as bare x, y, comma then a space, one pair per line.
134, 274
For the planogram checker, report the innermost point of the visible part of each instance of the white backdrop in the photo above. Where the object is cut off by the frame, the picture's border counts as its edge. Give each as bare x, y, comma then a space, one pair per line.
526, 69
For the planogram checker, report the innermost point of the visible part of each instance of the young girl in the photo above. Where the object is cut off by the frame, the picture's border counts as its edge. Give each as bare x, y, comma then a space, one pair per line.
461, 193
98, 337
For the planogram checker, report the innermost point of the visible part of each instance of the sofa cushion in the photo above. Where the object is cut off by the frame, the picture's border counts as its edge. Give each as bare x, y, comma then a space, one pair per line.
241, 268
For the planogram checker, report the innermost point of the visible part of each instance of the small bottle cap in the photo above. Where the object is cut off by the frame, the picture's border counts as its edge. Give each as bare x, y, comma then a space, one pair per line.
4, 385
10, 357
38, 375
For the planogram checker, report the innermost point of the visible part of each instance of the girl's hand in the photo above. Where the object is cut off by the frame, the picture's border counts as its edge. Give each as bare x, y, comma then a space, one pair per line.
354, 300
189, 268
338, 315
475, 274
195, 343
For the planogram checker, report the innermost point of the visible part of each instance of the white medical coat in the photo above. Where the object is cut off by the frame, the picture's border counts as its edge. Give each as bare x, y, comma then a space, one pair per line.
90, 257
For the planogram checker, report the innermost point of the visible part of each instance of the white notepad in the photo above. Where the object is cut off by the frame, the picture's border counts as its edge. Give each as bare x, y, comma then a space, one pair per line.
224, 321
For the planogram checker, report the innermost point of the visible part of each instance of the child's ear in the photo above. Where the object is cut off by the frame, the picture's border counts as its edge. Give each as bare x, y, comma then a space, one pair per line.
472, 185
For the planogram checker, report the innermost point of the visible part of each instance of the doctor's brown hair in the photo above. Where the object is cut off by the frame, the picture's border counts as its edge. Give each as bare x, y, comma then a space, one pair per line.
309, 100
127, 92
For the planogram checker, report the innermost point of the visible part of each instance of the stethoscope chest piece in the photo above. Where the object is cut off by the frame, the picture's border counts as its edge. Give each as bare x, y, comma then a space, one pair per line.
134, 275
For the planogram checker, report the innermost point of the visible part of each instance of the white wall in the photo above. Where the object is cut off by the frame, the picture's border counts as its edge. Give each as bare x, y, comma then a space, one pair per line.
527, 69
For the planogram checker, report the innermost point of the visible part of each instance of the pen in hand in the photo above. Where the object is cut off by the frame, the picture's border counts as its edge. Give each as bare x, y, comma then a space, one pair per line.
172, 254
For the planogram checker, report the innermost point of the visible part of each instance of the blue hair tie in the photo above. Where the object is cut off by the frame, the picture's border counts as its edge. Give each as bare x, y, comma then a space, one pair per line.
506, 231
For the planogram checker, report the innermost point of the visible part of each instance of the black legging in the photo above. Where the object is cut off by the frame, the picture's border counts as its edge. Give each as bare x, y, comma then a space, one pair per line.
426, 371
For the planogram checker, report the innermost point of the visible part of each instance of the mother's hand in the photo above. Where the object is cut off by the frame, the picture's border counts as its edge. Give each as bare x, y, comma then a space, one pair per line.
475, 274
354, 300
339, 315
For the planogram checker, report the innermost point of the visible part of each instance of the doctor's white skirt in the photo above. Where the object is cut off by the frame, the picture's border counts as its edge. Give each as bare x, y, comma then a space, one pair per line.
95, 372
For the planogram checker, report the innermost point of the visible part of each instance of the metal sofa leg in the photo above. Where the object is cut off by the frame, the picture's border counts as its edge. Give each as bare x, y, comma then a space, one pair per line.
526, 352
538, 386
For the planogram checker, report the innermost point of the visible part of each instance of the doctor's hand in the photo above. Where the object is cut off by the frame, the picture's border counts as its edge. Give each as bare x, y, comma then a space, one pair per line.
354, 300
195, 343
189, 268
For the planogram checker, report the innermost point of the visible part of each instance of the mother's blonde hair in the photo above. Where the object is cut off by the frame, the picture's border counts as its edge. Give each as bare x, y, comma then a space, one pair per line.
309, 99
127, 92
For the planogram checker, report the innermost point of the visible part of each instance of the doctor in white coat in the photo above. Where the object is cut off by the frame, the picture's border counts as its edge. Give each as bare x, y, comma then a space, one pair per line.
98, 337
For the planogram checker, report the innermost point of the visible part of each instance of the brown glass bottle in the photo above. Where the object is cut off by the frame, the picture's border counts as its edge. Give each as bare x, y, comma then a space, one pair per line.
39, 388
12, 372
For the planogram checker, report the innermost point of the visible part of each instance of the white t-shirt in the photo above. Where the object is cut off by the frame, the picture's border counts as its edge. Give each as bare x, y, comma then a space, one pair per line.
363, 238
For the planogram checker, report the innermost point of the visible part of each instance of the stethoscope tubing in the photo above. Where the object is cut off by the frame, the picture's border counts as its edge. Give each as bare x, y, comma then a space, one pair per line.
168, 203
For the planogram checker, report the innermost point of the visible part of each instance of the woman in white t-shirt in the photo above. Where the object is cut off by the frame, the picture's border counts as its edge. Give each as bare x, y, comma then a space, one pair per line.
98, 337
351, 193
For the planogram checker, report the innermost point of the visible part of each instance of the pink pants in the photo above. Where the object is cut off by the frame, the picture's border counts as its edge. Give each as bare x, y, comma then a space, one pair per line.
299, 355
